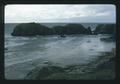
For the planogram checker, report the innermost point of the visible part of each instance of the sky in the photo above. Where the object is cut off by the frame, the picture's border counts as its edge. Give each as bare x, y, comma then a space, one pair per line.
64, 13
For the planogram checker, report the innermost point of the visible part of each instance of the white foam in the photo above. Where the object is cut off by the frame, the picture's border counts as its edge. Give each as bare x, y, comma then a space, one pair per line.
69, 50
13, 44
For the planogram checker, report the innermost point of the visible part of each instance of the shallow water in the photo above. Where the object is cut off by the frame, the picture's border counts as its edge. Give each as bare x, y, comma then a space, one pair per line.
25, 53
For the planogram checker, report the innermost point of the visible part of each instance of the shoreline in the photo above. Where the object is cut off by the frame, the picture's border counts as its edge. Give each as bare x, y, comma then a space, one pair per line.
56, 69
102, 68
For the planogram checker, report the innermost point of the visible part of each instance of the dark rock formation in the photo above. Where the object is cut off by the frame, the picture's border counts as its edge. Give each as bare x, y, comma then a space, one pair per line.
75, 29
70, 29
89, 30
108, 39
41, 73
32, 29
105, 29
58, 30
107, 64
62, 36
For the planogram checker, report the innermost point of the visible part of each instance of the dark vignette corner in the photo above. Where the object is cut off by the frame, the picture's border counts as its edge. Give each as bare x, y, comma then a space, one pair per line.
2, 40
117, 40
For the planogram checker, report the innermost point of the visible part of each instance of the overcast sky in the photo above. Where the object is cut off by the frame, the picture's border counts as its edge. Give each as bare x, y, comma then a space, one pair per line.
60, 13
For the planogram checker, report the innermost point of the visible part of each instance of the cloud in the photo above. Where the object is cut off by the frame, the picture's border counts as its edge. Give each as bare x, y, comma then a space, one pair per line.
59, 13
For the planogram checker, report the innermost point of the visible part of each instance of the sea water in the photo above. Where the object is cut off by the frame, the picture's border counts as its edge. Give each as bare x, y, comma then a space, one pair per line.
25, 53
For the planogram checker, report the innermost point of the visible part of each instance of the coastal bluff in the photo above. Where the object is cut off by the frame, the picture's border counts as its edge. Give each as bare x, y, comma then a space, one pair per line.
32, 29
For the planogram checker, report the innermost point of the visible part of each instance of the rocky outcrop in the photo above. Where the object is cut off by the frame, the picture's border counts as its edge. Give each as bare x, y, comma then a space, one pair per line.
31, 29
71, 29
75, 29
41, 73
110, 39
105, 29
89, 31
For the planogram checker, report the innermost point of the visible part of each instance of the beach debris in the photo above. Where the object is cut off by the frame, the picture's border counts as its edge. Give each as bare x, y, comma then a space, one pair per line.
62, 36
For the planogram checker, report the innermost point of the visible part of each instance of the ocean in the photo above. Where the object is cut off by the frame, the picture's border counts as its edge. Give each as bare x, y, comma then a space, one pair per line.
26, 53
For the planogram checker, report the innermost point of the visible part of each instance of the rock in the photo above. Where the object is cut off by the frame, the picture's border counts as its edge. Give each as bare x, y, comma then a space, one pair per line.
41, 73
62, 36
33, 29
30, 29
75, 29
107, 39
6, 48
88, 41
107, 64
105, 29
89, 30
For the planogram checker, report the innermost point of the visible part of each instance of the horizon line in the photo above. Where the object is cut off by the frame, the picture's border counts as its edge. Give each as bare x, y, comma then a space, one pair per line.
61, 22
